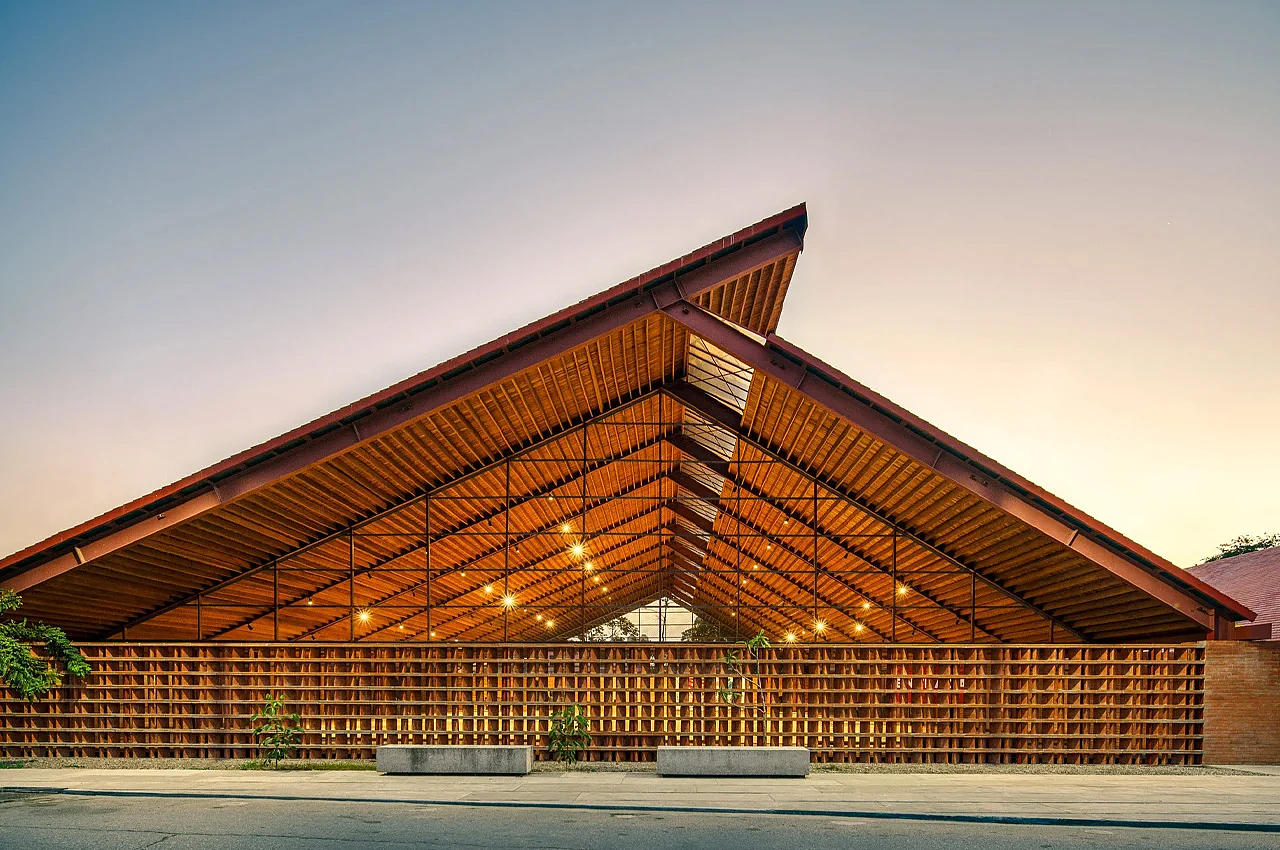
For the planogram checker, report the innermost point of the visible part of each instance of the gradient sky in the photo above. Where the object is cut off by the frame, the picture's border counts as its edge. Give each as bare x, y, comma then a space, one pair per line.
1052, 230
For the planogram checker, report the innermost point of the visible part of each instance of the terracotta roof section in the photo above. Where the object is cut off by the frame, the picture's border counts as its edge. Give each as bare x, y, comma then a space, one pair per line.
1253, 578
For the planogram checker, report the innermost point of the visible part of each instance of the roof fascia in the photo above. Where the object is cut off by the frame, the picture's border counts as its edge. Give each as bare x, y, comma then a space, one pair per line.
499, 361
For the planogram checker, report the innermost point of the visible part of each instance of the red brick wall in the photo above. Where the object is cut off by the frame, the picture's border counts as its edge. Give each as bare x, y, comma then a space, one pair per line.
1241, 703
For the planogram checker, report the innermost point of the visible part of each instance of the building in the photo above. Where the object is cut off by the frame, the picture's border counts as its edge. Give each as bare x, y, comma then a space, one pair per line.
1254, 579
418, 566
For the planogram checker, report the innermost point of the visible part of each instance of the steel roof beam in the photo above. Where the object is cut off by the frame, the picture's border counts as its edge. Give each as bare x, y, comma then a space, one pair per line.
729, 419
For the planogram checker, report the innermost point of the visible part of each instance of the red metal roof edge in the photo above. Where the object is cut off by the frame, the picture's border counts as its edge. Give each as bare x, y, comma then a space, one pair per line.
994, 469
796, 216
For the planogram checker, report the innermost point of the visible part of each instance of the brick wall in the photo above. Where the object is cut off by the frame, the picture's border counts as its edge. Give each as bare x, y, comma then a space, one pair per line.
1241, 703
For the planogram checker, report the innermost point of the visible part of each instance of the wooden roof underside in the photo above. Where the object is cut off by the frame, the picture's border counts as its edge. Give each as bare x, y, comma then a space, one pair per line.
696, 477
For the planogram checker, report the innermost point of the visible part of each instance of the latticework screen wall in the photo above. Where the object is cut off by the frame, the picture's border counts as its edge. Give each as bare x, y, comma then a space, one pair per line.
847, 703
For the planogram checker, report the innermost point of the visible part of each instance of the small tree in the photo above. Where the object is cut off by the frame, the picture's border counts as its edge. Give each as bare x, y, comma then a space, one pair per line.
1242, 544
739, 668
570, 734
20, 667
277, 732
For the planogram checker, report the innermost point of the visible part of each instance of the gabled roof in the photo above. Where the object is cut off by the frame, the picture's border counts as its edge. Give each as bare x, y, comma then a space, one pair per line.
1253, 578
665, 394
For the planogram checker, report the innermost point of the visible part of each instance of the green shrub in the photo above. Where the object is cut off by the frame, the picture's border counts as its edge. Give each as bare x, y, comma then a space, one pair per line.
24, 671
277, 732
570, 734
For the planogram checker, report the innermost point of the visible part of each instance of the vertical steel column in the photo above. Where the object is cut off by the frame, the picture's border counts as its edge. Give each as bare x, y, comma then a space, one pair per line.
737, 548
351, 583
582, 531
275, 609
893, 592
199, 617
426, 533
815, 559
506, 552
973, 607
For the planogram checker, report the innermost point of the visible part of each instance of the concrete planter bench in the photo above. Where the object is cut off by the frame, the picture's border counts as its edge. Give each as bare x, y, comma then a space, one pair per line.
447, 759
733, 761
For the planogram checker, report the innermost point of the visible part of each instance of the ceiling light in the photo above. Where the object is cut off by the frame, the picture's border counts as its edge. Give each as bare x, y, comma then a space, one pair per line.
790, 637
433, 634
508, 601
488, 588
865, 605
902, 590
857, 627
364, 615
819, 626
551, 624
566, 528
401, 627
577, 549
588, 566
310, 602
539, 618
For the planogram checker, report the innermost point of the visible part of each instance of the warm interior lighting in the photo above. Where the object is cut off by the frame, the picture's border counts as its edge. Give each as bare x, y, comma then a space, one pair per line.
566, 528
539, 618
865, 605
755, 566
605, 589
508, 601
551, 624
401, 627
588, 566
577, 549
596, 579
819, 627
488, 588
310, 602
857, 627
433, 634
790, 637
902, 590
463, 573
364, 615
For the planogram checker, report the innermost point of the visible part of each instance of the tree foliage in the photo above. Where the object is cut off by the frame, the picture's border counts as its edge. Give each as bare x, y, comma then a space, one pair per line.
618, 630
21, 668
1242, 544
706, 631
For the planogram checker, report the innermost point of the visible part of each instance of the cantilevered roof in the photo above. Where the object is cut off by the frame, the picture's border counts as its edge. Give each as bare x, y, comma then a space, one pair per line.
665, 417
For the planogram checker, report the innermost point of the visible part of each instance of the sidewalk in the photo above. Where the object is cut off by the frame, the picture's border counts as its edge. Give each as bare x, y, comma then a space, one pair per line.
1205, 801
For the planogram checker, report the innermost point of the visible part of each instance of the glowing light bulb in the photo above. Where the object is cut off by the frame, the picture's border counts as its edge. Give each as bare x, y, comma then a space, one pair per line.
433, 634
588, 566
401, 627
310, 602
539, 618
902, 590
819, 626
577, 549
488, 588
857, 627
551, 624
790, 637
364, 616
865, 605
565, 528
508, 601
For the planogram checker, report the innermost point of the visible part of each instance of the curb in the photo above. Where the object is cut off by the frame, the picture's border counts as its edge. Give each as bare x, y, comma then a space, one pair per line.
1219, 826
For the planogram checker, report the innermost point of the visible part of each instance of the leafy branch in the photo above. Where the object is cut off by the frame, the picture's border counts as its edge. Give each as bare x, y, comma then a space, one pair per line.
20, 667
743, 669
277, 732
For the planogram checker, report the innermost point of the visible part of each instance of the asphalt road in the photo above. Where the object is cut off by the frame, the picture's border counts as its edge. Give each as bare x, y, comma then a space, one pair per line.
65, 822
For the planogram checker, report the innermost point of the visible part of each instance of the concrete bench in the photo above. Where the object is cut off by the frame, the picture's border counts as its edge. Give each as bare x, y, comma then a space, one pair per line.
447, 759
733, 761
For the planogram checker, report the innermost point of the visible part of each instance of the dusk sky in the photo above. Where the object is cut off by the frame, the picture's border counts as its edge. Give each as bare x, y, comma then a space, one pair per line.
1051, 230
